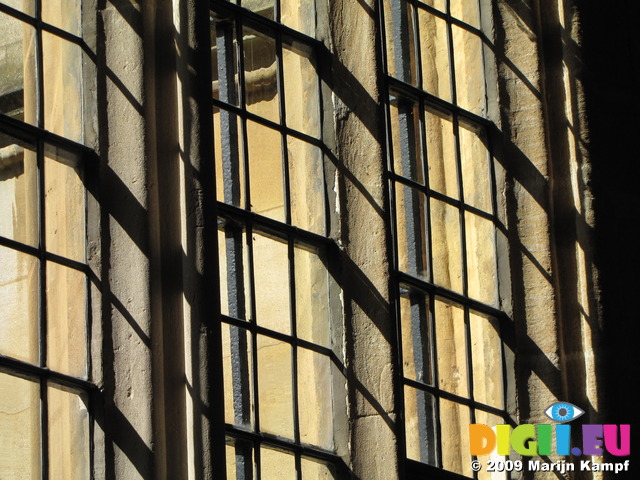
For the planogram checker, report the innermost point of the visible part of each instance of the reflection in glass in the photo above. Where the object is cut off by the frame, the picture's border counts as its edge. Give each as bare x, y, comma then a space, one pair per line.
306, 186
301, 89
260, 74
237, 351
265, 171
415, 320
275, 393
420, 425
451, 341
445, 245
411, 211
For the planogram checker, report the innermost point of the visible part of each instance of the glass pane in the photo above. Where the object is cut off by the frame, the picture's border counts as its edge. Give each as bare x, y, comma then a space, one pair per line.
446, 247
68, 435
239, 456
490, 420
300, 16
19, 428
454, 423
301, 89
315, 399
18, 191
66, 320
420, 425
313, 315
227, 141
224, 61
262, 7
234, 265
19, 299
405, 137
434, 53
271, 275
476, 173
63, 94
486, 352
441, 154
312, 470
470, 88
466, 10
237, 351
17, 69
416, 335
482, 275
276, 465
64, 14
275, 387
26, 6
401, 55
260, 74
451, 341
65, 208
306, 181
265, 171
412, 230
437, 4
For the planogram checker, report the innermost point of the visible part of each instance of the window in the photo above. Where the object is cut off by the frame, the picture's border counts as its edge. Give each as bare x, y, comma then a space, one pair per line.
281, 304
45, 322
442, 174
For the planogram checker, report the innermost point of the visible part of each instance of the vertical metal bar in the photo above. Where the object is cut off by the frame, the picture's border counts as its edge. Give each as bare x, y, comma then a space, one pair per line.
283, 120
436, 381
44, 428
254, 345
294, 343
401, 44
39, 49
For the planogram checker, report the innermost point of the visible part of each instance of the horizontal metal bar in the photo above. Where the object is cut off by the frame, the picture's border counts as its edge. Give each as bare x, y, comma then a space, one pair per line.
30, 133
18, 366
259, 22
398, 87
285, 444
455, 398
274, 227
427, 287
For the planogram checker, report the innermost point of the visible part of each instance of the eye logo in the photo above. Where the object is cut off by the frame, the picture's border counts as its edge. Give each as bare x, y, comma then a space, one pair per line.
563, 412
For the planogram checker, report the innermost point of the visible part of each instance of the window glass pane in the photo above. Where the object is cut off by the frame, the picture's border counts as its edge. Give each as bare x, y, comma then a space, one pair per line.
399, 27
313, 315
17, 69
276, 465
66, 320
411, 208
227, 140
262, 7
299, 15
420, 425
65, 208
466, 10
315, 399
18, 191
416, 334
491, 420
62, 87
434, 53
454, 422
68, 435
451, 343
19, 428
306, 181
446, 247
26, 6
265, 171
437, 4
470, 88
482, 275
476, 173
233, 263
301, 89
405, 137
441, 153
239, 456
272, 288
312, 469
275, 387
260, 74
64, 14
486, 352
224, 61
19, 299
237, 351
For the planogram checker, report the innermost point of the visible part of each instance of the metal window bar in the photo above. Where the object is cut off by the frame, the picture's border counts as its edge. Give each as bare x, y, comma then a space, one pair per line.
237, 219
